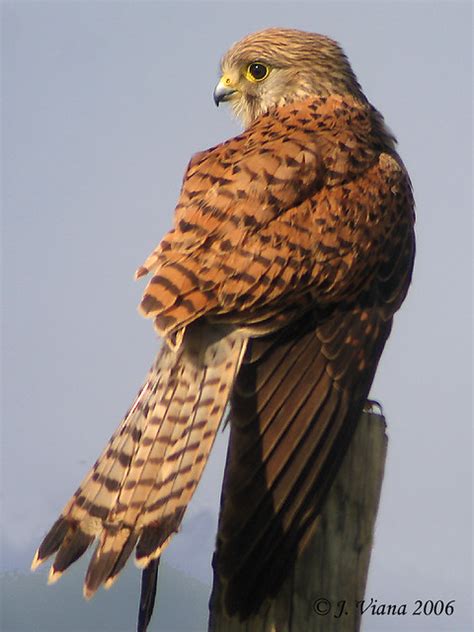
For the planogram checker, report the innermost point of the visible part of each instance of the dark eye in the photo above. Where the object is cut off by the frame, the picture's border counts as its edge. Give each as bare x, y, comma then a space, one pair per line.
257, 71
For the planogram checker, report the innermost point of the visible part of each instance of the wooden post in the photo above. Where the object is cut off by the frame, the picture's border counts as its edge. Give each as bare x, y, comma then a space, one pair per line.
333, 568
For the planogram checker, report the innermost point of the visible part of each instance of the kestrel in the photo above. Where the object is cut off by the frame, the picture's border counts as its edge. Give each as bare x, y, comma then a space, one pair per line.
291, 249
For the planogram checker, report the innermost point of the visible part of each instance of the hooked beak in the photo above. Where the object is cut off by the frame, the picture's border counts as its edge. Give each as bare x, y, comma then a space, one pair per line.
223, 91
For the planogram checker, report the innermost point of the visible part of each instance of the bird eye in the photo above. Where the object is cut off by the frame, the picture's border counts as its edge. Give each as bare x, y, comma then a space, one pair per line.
256, 71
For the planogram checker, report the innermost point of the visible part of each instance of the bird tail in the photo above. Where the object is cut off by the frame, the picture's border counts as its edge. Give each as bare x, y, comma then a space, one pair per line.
138, 490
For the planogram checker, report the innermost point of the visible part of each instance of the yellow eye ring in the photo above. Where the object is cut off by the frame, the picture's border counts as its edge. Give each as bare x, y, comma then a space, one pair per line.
257, 71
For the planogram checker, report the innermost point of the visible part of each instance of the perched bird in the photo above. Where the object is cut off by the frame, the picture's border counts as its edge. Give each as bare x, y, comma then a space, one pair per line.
291, 249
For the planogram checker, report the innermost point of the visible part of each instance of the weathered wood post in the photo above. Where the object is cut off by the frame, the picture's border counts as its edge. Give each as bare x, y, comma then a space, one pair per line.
334, 566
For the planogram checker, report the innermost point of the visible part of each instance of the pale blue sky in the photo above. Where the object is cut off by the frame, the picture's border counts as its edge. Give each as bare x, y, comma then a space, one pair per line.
104, 103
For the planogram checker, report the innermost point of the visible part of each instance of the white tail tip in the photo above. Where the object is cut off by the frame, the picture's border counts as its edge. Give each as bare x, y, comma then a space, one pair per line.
36, 562
53, 576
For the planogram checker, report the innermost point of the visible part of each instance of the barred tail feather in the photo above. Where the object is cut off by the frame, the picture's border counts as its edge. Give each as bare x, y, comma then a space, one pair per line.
138, 490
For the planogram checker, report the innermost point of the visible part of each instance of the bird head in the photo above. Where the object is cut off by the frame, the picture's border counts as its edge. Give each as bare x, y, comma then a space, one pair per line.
276, 66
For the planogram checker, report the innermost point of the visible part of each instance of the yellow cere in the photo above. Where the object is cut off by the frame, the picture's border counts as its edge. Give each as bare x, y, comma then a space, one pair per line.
226, 81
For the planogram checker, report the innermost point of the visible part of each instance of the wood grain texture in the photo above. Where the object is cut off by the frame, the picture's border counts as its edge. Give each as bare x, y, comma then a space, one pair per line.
335, 561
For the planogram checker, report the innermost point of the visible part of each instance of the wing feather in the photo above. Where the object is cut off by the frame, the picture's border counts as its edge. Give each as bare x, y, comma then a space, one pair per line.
282, 457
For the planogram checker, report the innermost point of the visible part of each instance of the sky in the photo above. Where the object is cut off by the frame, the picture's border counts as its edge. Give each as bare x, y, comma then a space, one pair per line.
103, 105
